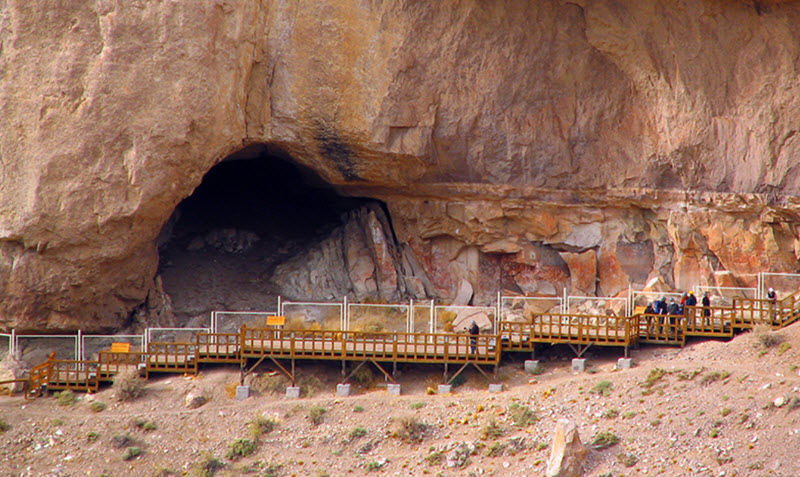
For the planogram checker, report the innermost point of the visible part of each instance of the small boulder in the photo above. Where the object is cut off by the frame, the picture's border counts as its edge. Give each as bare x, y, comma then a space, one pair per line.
11, 369
195, 399
568, 453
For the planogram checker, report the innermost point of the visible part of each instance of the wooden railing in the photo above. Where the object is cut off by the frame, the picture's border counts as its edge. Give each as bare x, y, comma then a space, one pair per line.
110, 363
40, 376
667, 329
713, 321
218, 347
387, 346
171, 357
569, 328
78, 375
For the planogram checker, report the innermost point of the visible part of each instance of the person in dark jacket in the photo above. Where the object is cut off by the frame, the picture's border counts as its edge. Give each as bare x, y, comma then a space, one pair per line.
474, 330
706, 309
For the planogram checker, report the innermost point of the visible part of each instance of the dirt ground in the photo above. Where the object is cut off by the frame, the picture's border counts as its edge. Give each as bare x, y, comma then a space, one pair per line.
710, 408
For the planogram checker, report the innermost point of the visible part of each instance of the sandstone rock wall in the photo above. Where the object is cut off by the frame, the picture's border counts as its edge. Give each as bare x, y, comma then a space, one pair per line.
539, 142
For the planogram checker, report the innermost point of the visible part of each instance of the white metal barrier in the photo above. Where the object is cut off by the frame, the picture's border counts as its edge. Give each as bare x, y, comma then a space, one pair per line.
180, 335
232, 321
521, 308
313, 315
594, 305
378, 317
455, 318
34, 349
643, 298
784, 284
6, 345
91, 345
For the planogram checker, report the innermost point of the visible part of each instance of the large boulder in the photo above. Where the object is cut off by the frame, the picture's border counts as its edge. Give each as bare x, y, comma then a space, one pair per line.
567, 452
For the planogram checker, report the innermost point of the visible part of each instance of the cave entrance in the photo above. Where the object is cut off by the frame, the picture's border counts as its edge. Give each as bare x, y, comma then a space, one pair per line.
251, 212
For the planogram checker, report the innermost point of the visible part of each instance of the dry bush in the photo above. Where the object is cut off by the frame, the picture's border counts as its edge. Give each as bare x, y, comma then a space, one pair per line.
230, 389
766, 338
128, 385
409, 429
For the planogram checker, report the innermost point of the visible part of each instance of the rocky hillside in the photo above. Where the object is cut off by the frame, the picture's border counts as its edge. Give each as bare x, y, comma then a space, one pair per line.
709, 409
534, 145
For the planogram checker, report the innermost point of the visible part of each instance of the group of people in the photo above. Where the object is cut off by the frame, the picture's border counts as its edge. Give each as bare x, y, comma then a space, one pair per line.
660, 307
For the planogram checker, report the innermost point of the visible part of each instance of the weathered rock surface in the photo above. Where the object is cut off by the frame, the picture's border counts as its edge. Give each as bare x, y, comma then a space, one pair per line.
660, 136
568, 453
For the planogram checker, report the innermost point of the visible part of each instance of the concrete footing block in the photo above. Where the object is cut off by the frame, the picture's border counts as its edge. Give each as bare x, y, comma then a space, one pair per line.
343, 389
242, 392
625, 363
578, 365
496, 388
394, 389
293, 392
533, 366
445, 389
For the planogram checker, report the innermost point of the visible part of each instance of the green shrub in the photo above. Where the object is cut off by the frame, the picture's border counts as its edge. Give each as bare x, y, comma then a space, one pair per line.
131, 453
145, 425
653, 377
496, 449
725, 411
4, 426
611, 413
374, 465
604, 440
629, 415
316, 415
436, 457
358, 408
356, 433
97, 406
521, 415
784, 347
603, 388
261, 425
416, 405
65, 398
240, 448
92, 436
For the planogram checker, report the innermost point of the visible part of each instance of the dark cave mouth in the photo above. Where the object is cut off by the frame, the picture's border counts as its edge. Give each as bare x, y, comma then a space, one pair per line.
252, 211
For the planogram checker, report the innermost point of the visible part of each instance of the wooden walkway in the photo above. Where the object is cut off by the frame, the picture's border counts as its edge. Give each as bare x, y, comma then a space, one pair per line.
576, 330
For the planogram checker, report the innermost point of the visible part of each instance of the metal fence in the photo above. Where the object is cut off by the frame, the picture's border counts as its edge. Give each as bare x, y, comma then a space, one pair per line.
6, 342
34, 349
91, 345
456, 319
313, 315
378, 317
232, 321
592, 305
523, 308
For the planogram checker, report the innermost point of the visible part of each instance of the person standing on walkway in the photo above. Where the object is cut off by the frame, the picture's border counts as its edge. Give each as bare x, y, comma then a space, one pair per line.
706, 309
474, 331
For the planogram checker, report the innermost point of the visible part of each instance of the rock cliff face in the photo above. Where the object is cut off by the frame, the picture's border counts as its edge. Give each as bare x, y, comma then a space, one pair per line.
529, 145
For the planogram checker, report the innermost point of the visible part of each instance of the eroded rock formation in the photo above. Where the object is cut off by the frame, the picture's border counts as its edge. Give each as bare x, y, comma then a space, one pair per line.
524, 145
